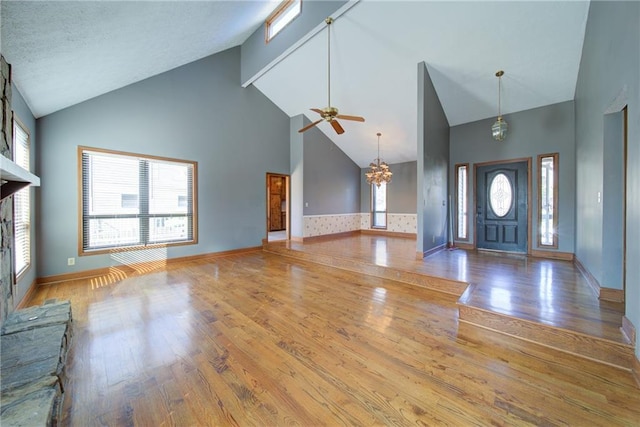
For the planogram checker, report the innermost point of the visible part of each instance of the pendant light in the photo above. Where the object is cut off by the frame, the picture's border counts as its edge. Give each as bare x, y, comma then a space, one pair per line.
379, 171
499, 128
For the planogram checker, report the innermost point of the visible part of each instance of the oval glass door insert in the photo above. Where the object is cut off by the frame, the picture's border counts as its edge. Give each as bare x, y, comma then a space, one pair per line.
500, 195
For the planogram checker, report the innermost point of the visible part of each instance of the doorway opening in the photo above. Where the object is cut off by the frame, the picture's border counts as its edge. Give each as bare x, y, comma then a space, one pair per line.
502, 200
614, 201
277, 207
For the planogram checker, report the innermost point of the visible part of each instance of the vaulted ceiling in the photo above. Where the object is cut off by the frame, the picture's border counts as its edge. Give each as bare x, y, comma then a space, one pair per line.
66, 52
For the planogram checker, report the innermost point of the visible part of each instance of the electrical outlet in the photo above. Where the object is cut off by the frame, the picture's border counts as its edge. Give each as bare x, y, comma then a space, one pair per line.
71, 261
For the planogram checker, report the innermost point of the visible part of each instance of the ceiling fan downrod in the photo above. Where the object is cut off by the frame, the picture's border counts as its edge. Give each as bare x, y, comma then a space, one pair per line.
329, 21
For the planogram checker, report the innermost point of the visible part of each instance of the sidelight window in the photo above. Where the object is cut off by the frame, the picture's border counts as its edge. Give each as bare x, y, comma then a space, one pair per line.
548, 200
462, 185
132, 201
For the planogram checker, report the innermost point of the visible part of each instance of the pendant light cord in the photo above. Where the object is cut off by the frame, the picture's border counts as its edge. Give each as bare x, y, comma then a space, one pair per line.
499, 95
499, 75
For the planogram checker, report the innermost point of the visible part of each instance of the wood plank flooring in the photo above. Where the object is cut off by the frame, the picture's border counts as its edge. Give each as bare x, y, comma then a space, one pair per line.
261, 339
549, 292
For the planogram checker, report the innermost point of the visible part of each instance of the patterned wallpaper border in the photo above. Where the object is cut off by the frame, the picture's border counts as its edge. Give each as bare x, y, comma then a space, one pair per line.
320, 225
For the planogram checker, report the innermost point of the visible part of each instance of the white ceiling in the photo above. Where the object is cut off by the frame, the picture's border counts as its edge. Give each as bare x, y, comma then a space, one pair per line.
375, 49
66, 52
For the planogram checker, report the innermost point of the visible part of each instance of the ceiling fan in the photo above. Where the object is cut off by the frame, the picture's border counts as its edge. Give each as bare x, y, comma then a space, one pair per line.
330, 114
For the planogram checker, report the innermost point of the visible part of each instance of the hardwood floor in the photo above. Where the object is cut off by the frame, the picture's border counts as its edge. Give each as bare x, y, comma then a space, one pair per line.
545, 291
261, 339
540, 300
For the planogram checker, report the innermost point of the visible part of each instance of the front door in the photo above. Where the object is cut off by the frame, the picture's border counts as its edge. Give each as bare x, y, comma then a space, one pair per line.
501, 207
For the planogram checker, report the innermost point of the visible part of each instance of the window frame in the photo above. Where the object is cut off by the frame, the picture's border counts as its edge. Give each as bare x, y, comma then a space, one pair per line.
19, 273
112, 249
457, 167
556, 164
386, 207
280, 11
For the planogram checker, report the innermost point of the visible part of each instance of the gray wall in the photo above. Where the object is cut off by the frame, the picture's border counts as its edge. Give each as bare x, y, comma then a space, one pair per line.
296, 182
612, 200
609, 79
256, 54
543, 130
401, 192
331, 178
196, 112
22, 111
433, 162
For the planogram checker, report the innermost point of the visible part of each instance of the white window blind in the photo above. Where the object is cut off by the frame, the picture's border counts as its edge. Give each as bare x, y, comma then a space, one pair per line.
131, 200
21, 201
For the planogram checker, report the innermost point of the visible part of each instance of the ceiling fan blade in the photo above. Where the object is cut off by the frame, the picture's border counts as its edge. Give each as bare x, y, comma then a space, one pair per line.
336, 126
309, 126
354, 118
317, 110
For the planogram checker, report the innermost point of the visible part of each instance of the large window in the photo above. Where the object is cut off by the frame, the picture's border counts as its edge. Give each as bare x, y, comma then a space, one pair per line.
462, 194
548, 200
285, 13
22, 201
133, 201
379, 205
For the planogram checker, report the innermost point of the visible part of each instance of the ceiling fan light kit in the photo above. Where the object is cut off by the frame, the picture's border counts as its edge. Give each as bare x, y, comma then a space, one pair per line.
499, 127
330, 114
379, 171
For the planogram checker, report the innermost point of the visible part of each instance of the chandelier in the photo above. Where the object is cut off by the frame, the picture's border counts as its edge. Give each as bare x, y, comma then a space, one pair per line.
499, 128
379, 171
